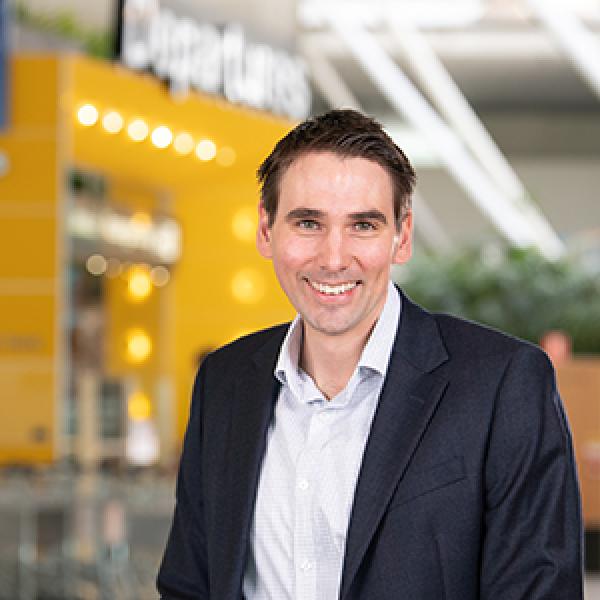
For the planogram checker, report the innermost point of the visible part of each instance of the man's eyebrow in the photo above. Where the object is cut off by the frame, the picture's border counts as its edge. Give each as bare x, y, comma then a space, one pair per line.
304, 213
313, 213
369, 215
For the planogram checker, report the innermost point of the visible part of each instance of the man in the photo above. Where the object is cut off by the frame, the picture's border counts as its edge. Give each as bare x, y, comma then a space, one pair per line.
369, 450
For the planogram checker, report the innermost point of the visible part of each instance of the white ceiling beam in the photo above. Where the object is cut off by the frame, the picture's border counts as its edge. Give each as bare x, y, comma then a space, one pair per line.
462, 44
327, 78
580, 45
518, 220
338, 95
428, 226
425, 13
453, 106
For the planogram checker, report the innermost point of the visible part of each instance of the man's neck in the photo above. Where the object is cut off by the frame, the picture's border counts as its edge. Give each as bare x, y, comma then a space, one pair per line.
331, 359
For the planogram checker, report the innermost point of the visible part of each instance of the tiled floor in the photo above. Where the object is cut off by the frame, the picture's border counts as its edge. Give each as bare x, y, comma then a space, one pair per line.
592, 587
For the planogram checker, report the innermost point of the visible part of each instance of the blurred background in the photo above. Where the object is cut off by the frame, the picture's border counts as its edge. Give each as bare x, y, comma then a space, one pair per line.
130, 132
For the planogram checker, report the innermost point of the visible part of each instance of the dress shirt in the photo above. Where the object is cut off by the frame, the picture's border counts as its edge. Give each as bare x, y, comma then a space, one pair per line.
310, 468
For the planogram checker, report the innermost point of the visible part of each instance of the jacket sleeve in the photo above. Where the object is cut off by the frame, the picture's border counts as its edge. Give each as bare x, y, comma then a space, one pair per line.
183, 573
532, 545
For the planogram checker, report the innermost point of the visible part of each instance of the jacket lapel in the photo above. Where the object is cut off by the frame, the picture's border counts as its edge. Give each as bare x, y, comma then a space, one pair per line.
408, 400
256, 391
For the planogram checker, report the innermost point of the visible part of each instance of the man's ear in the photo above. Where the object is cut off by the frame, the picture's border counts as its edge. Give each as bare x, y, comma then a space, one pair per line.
263, 233
403, 241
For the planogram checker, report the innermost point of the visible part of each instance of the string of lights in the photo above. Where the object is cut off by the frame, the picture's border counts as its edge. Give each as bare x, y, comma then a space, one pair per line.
161, 136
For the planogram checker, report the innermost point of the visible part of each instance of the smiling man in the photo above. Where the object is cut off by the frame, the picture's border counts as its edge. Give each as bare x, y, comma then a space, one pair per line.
369, 449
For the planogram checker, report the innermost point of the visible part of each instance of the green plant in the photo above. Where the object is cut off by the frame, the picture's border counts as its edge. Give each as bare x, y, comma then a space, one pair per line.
515, 290
64, 25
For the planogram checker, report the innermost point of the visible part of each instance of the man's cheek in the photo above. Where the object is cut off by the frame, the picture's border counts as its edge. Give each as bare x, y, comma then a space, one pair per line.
295, 253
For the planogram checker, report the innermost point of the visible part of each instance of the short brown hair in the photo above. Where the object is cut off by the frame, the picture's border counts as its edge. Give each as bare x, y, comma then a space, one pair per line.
349, 134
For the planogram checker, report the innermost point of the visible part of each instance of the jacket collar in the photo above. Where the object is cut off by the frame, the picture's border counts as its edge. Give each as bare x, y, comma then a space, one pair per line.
254, 393
410, 395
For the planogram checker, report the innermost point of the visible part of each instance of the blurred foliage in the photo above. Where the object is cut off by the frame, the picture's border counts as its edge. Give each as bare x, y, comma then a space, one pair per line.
515, 290
64, 25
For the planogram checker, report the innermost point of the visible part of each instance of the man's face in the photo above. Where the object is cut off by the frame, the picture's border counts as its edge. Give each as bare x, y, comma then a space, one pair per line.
334, 240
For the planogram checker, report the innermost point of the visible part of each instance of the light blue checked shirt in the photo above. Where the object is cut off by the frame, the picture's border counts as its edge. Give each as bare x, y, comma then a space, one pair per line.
309, 472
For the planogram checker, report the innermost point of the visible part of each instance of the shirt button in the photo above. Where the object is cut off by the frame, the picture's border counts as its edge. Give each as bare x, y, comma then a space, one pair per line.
303, 484
305, 565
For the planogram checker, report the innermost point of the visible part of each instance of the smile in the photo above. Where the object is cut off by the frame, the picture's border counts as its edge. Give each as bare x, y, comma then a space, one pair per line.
332, 290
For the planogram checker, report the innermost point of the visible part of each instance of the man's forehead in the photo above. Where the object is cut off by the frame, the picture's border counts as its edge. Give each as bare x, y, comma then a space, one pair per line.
329, 186
330, 156
330, 169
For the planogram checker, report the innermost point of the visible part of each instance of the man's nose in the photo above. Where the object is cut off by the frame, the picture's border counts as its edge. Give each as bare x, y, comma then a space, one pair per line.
334, 253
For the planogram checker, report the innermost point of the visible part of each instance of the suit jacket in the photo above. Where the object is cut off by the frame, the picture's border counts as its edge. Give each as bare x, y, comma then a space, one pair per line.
467, 490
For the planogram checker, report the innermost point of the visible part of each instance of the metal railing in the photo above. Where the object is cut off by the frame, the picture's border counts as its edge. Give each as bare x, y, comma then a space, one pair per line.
82, 537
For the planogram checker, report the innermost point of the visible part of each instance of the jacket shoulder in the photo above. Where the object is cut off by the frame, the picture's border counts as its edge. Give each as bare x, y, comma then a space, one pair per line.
470, 339
243, 349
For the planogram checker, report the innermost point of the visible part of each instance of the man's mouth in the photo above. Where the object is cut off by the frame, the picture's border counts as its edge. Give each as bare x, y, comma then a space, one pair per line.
332, 290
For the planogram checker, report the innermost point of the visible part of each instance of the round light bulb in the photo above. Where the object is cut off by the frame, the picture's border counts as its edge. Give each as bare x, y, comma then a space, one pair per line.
139, 407
160, 276
161, 136
137, 130
183, 143
139, 345
247, 286
206, 150
139, 284
112, 121
87, 115
226, 156
243, 224
96, 264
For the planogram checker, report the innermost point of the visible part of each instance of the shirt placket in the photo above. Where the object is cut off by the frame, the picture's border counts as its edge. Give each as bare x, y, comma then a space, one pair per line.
305, 542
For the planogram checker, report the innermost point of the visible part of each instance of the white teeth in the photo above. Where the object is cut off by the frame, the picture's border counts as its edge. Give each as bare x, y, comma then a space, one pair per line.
333, 289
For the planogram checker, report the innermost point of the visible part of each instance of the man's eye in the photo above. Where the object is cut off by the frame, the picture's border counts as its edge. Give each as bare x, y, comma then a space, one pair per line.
308, 224
364, 226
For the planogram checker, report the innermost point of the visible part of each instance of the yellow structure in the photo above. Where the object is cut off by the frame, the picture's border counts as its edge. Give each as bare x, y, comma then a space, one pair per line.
192, 159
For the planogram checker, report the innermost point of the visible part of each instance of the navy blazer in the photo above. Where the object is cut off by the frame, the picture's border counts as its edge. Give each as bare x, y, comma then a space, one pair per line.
467, 489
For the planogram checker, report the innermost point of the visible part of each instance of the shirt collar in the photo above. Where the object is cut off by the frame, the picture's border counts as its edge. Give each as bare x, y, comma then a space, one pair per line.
289, 352
375, 355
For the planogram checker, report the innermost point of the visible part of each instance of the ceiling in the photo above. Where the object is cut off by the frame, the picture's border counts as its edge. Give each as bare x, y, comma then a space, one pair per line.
511, 69
514, 72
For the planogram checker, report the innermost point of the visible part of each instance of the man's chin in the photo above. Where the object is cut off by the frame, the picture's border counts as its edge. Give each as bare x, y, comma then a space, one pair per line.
330, 328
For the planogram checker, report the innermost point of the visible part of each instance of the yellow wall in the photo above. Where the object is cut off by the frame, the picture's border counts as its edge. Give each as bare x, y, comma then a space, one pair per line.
30, 269
207, 312
199, 309
215, 204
